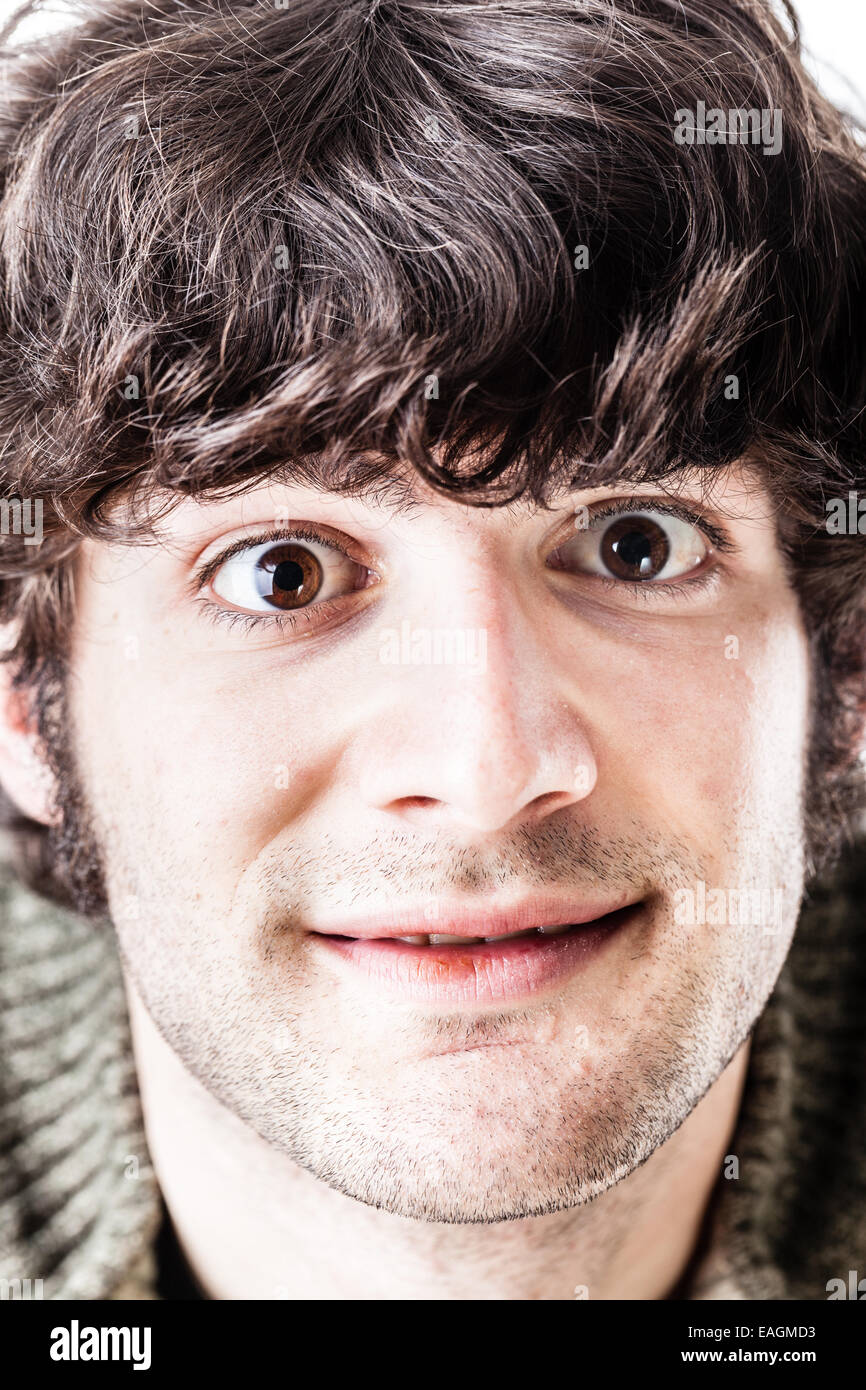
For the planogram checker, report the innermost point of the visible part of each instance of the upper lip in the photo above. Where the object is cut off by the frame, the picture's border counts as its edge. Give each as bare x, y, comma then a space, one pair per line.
464, 919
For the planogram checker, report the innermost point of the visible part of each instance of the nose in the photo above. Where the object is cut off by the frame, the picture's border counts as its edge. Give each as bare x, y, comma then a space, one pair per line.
482, 742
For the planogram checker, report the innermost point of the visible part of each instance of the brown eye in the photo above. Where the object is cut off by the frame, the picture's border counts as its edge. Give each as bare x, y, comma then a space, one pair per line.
295, 575
286, 575
636, 547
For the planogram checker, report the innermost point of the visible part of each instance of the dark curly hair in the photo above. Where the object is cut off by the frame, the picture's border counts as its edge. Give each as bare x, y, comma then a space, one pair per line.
322, 239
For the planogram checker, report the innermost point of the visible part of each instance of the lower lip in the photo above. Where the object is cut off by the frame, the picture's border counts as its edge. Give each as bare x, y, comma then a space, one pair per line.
483, 974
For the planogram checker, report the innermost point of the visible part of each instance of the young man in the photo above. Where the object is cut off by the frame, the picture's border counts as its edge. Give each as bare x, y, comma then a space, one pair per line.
435, 654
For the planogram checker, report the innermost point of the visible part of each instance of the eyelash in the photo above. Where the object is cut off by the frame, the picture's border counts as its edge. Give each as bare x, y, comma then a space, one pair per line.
300, 617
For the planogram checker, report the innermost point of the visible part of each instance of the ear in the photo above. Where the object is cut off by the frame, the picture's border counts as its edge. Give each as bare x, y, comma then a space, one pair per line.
24, 774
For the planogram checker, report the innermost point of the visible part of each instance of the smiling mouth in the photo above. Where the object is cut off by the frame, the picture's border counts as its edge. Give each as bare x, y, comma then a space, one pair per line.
442, 969
444, 939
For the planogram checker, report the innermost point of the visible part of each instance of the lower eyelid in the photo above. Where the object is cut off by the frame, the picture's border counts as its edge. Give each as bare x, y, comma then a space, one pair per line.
671, 588
238, 617
311, 615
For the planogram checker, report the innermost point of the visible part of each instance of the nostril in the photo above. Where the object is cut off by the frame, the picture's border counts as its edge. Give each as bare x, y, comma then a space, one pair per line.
548, 801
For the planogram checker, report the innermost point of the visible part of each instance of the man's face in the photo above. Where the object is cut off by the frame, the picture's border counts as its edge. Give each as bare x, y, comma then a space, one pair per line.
464, 722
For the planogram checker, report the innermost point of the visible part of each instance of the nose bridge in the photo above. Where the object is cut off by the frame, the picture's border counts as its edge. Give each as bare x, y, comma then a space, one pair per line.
477, 717
469, 644
497, 698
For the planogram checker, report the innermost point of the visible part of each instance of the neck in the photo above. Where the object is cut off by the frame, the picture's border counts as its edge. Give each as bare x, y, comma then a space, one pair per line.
252, 1224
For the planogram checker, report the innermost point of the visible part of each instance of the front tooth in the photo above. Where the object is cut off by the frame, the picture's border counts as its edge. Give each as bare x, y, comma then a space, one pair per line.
440, 939
413, 940
555, 931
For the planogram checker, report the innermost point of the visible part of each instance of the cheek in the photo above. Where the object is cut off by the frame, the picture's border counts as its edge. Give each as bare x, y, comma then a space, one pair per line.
211, 765
713, 739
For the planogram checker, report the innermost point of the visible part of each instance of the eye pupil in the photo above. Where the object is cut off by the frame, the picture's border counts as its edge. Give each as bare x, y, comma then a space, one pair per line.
288, 575
295, 575
635, 550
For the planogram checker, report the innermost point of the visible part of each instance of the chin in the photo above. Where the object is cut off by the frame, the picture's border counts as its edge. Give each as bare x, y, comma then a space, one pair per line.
509, 1164
477, 1189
